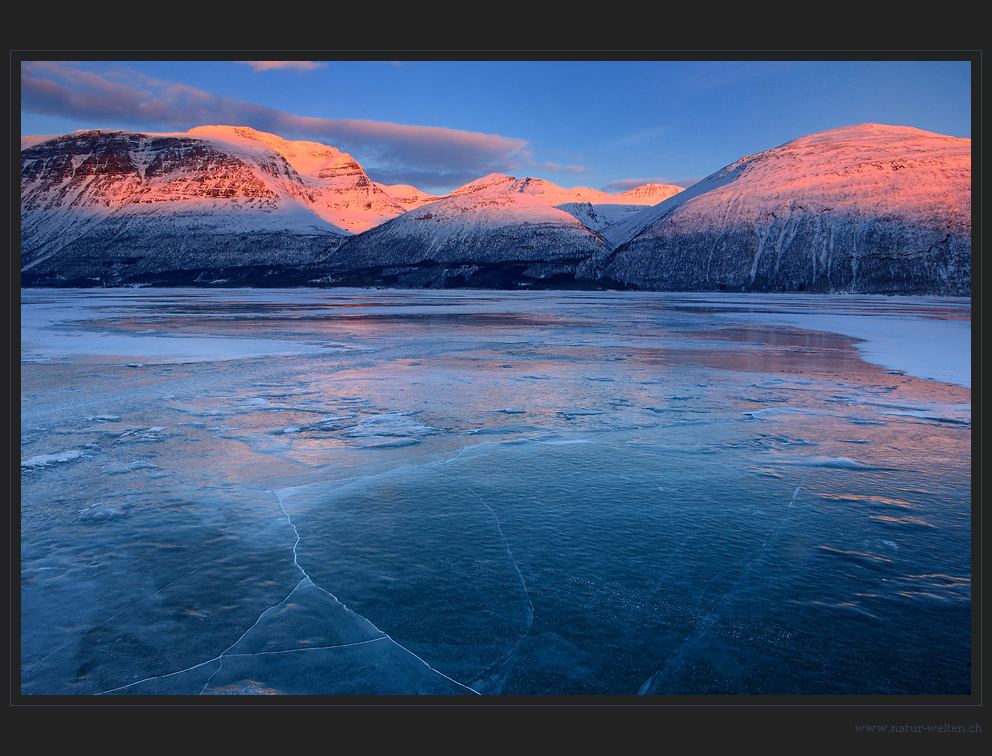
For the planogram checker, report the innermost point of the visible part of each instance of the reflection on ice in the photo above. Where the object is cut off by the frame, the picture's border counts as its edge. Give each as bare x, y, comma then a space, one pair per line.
494, 493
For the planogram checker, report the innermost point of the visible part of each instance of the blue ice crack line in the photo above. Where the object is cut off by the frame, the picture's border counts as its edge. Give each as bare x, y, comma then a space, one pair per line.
304, 581
523, 583
499, 529
307, 580
676, 659
151, 595
219, 657
280, 496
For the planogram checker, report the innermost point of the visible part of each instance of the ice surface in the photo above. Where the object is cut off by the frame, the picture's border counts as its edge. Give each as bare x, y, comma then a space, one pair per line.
936, 346
462, 493
43, 460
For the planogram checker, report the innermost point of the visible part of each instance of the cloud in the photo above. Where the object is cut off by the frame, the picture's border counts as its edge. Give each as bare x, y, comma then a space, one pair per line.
705, 76
57, 89
282, 65
645, 135
390, 152
569, 170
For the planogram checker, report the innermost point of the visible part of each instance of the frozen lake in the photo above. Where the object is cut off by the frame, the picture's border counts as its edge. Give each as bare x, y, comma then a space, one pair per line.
501, 493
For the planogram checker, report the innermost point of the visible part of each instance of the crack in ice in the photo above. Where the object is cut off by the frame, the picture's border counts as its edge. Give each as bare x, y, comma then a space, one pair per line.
678, 656
280, 495
129, 607
523, 584
305, 581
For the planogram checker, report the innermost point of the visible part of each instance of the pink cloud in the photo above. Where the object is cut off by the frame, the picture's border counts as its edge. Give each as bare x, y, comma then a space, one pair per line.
283, 65
391, 152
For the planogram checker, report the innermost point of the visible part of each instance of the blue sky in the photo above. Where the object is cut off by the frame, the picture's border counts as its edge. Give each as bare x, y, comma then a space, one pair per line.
606, 124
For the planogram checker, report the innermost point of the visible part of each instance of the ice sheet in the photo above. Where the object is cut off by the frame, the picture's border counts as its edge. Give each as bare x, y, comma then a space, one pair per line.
927, 337
359, 492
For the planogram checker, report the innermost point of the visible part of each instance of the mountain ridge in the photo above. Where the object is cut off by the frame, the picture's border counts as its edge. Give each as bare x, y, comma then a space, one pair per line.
870, 208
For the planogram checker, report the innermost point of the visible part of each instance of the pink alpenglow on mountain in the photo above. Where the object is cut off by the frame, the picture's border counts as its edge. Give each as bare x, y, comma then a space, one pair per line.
869, 208
113, 207
215, 205
479, 239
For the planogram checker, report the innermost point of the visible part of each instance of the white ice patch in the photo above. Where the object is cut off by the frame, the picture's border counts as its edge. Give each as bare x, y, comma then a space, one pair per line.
376, 442
394, 424
935, 349
143, 434
121, 469
100, 512
45, 460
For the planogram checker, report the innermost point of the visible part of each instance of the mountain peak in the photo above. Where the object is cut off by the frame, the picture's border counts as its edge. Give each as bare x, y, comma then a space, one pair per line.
870, 134
863, 208
867, 208
491, 182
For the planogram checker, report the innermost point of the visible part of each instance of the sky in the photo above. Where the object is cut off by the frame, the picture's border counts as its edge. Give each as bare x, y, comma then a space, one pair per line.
438, 124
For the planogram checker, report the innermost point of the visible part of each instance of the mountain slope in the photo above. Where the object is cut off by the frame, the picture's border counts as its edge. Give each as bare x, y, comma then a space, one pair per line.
339, 190
122, 207
868, 208
406, 196
481, 239
595, 209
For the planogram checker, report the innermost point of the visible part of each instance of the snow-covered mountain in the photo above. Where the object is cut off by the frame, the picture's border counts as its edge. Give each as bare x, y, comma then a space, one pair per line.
495, 231
606, 210
119, 207
215, 204
860, 209
647, 194
408, 197
341, 192
595, 209
868, 208
484, 237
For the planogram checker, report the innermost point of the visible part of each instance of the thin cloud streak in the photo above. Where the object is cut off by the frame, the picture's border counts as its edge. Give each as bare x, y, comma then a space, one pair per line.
282, 65
640, 137
569, 170
390, 152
